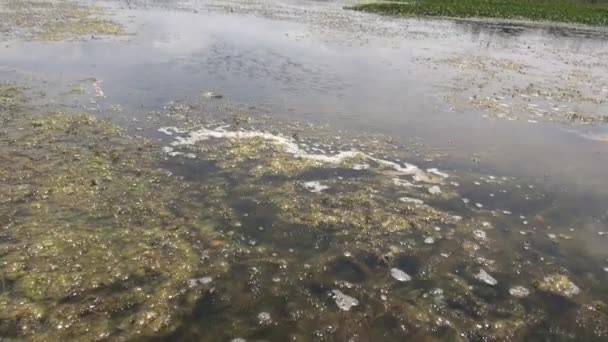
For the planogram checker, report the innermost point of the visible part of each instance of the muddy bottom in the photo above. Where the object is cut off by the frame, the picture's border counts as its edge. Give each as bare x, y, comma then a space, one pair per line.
250, 171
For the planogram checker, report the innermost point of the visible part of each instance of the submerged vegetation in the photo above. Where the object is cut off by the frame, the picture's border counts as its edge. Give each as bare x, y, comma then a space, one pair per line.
246, 228
54, 20
224, 231
83, 241
561, 11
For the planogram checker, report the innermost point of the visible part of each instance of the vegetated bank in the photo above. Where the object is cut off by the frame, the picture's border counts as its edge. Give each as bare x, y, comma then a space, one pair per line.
594, 13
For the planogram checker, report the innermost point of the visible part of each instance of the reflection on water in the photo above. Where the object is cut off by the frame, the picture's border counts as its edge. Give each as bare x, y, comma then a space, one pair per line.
294, 69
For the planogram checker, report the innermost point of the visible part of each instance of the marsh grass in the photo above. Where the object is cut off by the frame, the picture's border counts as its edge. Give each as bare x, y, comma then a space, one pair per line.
593, 13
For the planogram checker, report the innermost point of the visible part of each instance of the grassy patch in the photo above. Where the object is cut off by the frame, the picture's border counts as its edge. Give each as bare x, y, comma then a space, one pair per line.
589, 13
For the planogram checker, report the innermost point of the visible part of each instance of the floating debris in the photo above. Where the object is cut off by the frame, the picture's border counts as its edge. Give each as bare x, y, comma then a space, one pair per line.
519, 292
479, 205
399, 275
559, 284
343, 301
486, 277
552, 236
315, 186
429, 240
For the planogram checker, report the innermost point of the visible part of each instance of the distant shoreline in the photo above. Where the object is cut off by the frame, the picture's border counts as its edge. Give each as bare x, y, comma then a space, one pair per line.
571, 15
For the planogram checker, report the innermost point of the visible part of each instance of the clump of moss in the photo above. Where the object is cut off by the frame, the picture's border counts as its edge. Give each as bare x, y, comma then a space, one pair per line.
558, 284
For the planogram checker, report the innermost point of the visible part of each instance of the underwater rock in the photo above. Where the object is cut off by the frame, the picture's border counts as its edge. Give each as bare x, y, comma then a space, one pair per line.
399, 275
519, 292
343, 301
559, 284
485, 277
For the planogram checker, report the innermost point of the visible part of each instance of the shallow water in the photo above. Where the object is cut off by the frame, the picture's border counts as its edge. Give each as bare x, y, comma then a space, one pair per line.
531, 189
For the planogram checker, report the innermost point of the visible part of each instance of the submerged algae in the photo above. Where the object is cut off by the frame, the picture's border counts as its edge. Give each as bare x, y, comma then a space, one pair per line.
101, 244
91, 245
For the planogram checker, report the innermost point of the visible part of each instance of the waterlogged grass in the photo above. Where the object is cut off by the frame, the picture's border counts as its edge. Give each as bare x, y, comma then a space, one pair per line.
595, 14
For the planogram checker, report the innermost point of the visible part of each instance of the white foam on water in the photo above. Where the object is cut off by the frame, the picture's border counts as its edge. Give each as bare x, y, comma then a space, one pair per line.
343, 301
361, 166
411, 200
170, 130
289, 146
519, 292
315, 186
480, 234
437, 172
434, 190
264, 318
199, 281
403, 182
